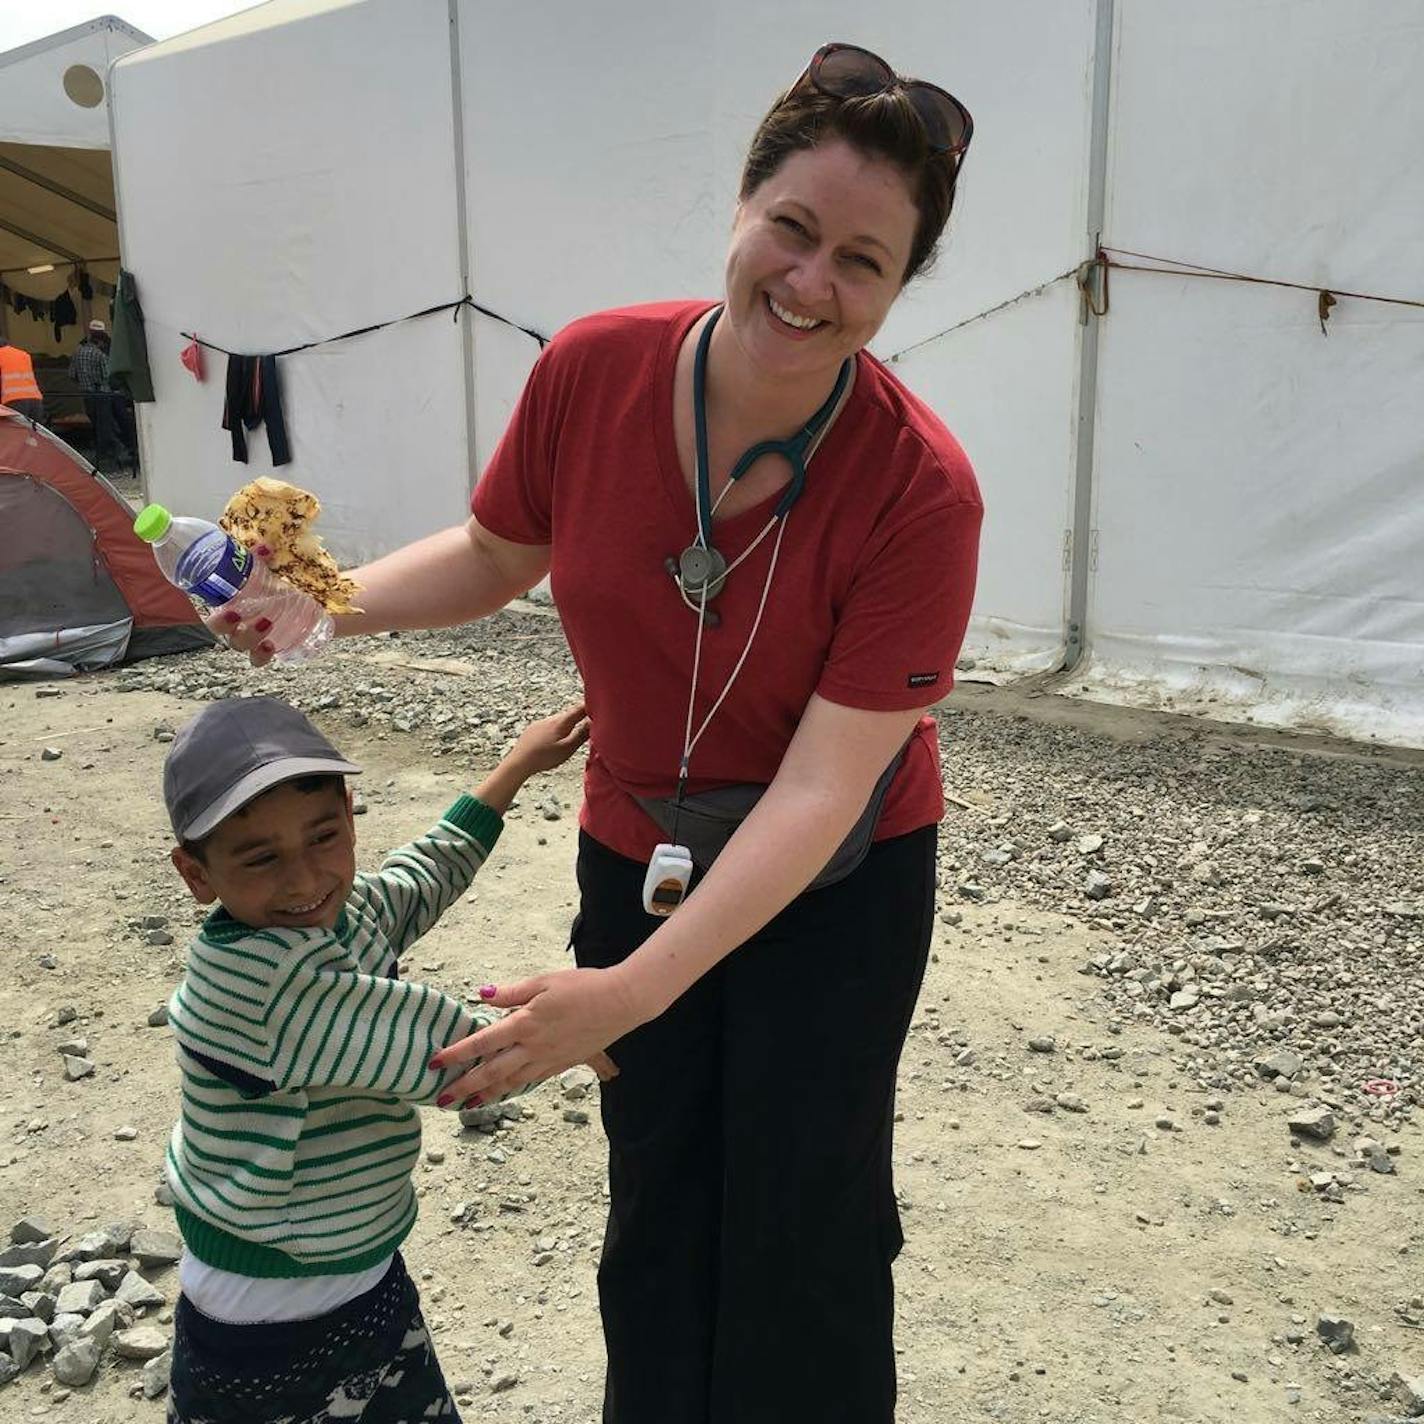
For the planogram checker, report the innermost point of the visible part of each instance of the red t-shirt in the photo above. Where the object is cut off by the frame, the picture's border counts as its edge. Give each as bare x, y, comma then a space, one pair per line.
867, 607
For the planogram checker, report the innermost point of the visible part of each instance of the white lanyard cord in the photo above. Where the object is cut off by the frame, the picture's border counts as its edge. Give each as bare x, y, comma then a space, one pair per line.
700, 608
689, 740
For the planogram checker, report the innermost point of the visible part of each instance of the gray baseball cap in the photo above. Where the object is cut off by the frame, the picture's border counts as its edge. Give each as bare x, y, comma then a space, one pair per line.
232, 752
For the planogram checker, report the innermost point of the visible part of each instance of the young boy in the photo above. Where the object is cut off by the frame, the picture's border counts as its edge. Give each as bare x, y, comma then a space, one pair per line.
302, 1057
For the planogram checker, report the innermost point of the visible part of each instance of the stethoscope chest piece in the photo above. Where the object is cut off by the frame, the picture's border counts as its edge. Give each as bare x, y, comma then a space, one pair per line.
701, 568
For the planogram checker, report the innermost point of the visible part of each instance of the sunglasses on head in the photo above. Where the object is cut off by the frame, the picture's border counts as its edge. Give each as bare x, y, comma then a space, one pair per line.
845, 71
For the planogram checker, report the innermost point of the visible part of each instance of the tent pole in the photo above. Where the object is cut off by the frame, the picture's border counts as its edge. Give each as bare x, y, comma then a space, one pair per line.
141, 417
43, 243
58, 189
462, 234
1082, 540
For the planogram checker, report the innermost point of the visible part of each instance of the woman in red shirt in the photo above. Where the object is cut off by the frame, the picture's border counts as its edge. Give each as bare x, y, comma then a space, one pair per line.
786, 629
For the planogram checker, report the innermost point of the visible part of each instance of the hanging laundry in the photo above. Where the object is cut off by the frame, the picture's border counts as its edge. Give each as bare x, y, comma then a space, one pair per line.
63, 313
86, 287
128, 358
254, 397
192, 358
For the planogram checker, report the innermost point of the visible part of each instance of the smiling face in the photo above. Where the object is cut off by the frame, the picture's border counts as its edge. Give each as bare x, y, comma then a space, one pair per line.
817, 255
286, 860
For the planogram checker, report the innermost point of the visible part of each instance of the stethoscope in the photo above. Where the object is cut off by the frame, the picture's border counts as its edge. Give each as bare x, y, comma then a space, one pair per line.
701, 570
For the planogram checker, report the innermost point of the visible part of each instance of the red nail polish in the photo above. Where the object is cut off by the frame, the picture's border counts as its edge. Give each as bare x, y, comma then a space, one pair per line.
267, 647
444, 1100
262, 551
475, 1101
488, 991
262, 624
232, 617
434, 1065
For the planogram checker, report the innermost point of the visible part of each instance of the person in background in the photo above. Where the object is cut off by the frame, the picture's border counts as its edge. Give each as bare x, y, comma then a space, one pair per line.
89, 369
18, 387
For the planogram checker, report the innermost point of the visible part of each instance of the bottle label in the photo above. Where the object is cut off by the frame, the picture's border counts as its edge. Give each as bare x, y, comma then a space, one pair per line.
223, 581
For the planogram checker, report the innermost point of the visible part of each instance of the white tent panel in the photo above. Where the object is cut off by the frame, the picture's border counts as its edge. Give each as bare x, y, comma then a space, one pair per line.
265, 224
1257, 511
36, 106
603, 150
1005, 387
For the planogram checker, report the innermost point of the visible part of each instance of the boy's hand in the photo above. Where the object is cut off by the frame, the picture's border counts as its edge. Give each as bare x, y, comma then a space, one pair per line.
551, 741
544, 744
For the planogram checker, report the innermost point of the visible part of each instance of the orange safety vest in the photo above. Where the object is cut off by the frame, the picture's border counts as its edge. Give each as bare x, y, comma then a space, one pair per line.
17, 376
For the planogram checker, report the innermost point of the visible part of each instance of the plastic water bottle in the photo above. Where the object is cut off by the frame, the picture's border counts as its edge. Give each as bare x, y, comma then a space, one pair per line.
213, 569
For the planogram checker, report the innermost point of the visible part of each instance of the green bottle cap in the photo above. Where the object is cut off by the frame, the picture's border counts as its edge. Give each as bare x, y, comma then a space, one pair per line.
152, 523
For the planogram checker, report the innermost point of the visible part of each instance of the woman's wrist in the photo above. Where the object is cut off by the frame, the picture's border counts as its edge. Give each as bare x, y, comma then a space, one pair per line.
651, 979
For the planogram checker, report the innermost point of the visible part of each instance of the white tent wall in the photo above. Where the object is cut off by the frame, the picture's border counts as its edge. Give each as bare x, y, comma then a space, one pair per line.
603, 148
283, 176
298, 170
1257, 482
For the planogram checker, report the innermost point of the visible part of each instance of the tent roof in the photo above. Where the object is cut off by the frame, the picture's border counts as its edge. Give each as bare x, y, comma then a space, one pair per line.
268, 15
100, 24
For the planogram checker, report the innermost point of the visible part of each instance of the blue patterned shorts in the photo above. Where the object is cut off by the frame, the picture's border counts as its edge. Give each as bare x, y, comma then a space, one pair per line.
370, 1362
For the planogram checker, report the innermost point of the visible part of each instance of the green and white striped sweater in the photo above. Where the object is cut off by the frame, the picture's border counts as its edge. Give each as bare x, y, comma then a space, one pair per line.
302, 1058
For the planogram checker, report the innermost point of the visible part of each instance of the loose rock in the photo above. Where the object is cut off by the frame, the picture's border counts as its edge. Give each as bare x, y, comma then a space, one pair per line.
76, 1363
1337, 1332
134, 1290
141, 1342
155, 1375
1316, 1123
155, 1248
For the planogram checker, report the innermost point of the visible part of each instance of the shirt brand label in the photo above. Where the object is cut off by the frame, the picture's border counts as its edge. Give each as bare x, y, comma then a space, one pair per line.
922, 679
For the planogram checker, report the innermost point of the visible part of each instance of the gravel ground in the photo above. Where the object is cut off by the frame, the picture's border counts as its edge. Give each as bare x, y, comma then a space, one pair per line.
1157, 1106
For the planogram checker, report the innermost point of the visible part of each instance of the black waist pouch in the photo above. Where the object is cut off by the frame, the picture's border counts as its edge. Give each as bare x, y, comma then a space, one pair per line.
708, 820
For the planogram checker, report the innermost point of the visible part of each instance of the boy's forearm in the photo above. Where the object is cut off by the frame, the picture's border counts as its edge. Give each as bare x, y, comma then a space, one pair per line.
501, 786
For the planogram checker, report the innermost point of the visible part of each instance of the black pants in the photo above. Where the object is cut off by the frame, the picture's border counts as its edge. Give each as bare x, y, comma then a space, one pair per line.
112, 420
746, 1271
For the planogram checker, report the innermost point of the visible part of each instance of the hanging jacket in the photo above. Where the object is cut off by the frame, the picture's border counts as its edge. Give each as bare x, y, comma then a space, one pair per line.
128, 355
254, 397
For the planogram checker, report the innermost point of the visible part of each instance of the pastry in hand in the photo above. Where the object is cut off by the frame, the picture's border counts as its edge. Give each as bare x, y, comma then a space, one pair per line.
279, 516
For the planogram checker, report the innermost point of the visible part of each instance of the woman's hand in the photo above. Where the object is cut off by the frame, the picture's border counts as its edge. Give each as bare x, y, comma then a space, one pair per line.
558, 1020
250, 638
